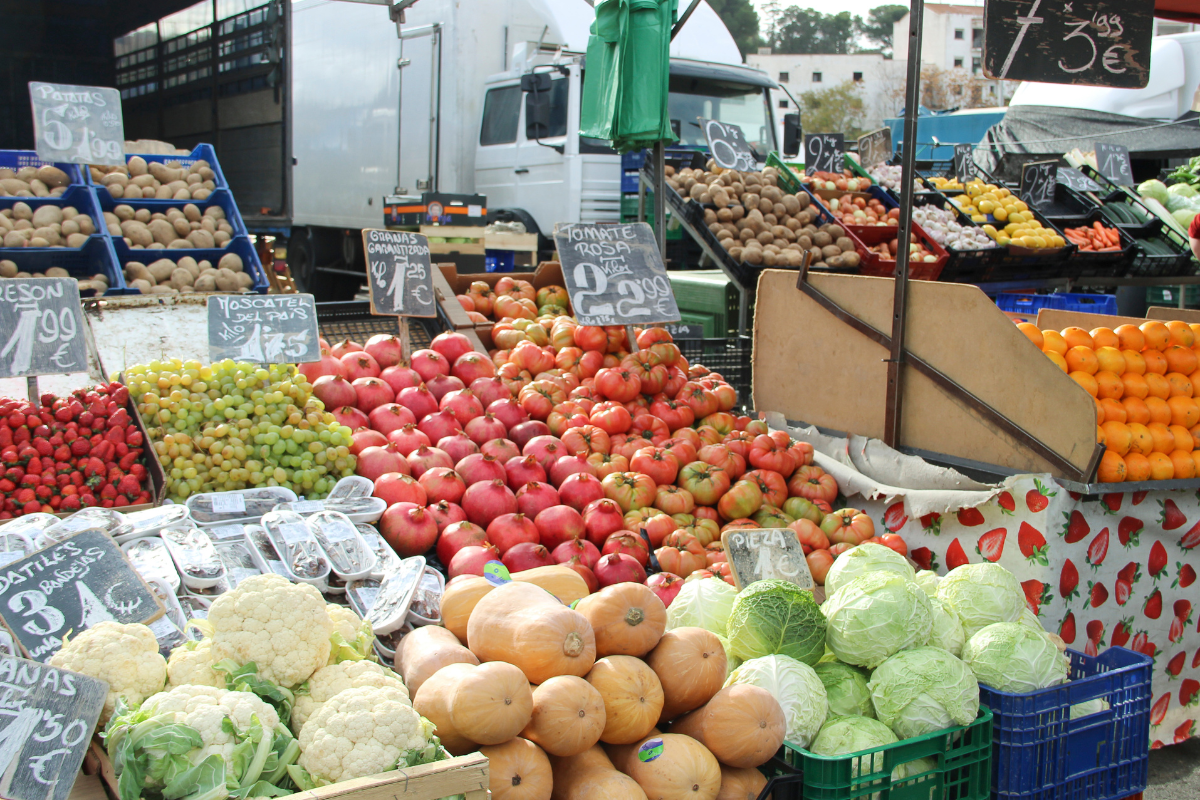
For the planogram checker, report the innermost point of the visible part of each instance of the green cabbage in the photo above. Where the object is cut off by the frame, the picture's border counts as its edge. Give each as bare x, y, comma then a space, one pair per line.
1180, 202
841, 736
705, 603
1184, 216
863, 559
775, 616
1012, 657
928, 581
846, 687
981, 594
1182, 190
795, 685
876, 616
947, 631
1155, 189
1030, 620
924, 690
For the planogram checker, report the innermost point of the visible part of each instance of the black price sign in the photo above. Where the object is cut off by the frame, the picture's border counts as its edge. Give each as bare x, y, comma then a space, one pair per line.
1074, 179
1038, 179
68, 587
685, 330
80, 124
1112, 161
263, 328
964, 162
875, 148
41, 326
615, 274
401, 273
46, 720
1088, 42
823, 152
728, 146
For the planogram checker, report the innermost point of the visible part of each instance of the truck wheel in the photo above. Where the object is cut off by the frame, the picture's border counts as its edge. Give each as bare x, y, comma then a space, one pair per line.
300, 261
323, 286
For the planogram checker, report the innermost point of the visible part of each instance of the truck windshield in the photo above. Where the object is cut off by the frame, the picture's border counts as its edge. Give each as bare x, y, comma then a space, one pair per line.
731, 103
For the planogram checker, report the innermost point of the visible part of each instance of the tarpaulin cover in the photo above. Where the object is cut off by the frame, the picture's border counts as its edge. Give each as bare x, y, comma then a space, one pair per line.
1181, 10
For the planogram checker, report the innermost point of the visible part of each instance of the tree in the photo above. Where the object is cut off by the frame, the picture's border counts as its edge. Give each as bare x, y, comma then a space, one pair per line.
950, 88
838, 109
741, 19
805, 31
878, 25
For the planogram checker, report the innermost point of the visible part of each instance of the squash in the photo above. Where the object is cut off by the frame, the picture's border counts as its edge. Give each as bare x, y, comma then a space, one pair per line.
621, 753
627, 618
426, 650
685, 770
459, 601
690, 664
741, 783
590, 776
568, 716
433, 703
523, 625
563, 582
518, 770
633, 698
742, 725
491, 704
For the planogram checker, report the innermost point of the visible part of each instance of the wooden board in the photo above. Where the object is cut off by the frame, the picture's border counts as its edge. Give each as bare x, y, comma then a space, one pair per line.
446, 248
520, 242
1166, 314
757, 554
813, 368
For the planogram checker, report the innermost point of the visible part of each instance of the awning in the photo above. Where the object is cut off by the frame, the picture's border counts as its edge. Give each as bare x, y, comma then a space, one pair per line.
1179, 10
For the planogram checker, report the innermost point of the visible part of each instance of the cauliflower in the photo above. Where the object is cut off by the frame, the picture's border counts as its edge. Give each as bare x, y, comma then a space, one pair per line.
282, 627
191, 663
126, 656
362, 732
329, 681
352, 638
204, 708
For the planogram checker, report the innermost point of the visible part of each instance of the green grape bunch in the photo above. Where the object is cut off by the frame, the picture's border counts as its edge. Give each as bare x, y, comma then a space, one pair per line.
235, 425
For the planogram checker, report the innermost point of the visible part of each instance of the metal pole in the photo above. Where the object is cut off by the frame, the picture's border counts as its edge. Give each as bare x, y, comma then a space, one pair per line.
660, 198
912, 95
683, 19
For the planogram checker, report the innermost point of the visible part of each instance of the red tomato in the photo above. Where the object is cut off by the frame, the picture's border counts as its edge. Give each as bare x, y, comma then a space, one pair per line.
894, 541
657, 463
612, 417
811, 537
819, 562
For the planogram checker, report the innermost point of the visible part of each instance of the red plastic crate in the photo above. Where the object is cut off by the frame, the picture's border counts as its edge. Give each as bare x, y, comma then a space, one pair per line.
875, 265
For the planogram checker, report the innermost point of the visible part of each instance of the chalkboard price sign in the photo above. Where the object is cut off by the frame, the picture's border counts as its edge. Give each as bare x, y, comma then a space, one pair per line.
757, 554
823, 153
1093, 43
685, 330
728, 146
41, 327
875, 148
401, 273
68, 587
1113, 163
263, 328
1038, 180
615, 274
80, 124
964, 162
46, 720
1074, 179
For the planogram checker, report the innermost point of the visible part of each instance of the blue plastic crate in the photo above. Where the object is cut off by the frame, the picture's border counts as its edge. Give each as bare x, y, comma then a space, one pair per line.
499, 260
1016, 303
202, 152
1040, 753
95, 257
240, 245
81, 198
220, 198
15, 159
629, 181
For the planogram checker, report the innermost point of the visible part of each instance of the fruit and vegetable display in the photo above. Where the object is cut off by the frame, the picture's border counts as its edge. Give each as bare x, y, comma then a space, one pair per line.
1177, 204
186, 274
916, 248
943, 227
44, 181
45, 226
1005, 217
88, 287
844, 181
155, 180
861, 209
889, 176
1094, 238
173, 227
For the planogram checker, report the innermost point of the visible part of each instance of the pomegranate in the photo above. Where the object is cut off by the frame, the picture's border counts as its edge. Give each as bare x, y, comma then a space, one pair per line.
508, 530
408, 439
559, 524
328, 365
533, 498
428, 363
399, 377
483, 502
418, 400
343, 347
618, 568
546, 449
484, 428
509, 411
351, 417
585, 572
526, 555
376, 461
503, 449
389, 417
456, 536
385, 349
439, 425
522, 470
471, 559
463, 405
362, 439
426, 458
666, 585
446, 514
601, 518
478, 468
408, 528
457, 446
629, 543
372, 393
441, 385
471, 367
442, 484
396, 487
569, 465
334, 391
582, 549
451, 345
523, 432
580, 489
360, 365
489, 390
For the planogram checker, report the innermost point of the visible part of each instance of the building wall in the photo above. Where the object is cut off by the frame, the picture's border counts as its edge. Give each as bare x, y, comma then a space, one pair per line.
941, 47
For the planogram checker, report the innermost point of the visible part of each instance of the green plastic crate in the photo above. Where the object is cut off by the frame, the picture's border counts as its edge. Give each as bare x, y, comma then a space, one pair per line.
629, 204
709, 293
960, 768
1169, 296
707, 321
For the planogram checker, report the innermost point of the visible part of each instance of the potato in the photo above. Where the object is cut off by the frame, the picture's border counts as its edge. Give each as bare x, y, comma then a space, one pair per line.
714, 227
181, 226
851, 259
8, 269
76, 240
736, 253
836, 262
57, 272
844, 244
765, 205
162, 231
189, 263
746, 235
162, 289
201, 194
137, 233
836, 231
829, 251
144, 181
46, 216
244, 280
720, 198
765, 237
86, 226
790, 204
697, 191
14, 239
723, 234
738, 212
115, 179
206, 283
770, 220
768, 259
162, 269
752, 256
750, 200
816, 254
822, 239
181, 277
162, 173
22, 211
136, 270
226, 280
772, 193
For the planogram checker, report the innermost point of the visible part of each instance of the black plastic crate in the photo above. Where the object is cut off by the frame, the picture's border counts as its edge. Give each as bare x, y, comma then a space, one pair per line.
963, 266
1069, 208
1098, 265
354, 320
1018, 263
729, 357
1153, 264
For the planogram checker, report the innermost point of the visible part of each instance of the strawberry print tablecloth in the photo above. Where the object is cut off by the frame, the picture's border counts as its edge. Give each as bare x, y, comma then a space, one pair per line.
1101, 571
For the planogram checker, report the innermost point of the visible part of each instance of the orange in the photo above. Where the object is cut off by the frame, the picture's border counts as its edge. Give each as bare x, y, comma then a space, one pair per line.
1184, 411
1161, 467
1110, 359
1194, 378
1180, 359
1136, 411
1156, 362
1058, 360
1112, 468
1183, 438
1082, 359
1195, 329
1053, 342
1113, 410
1104, 337
1159, 410
1135, 385
1196, 460
1131, 338
1157, 385
1140, 439
1195, 431
1180, 385
1181, 333
1101, 439
1185, 467
1158, 336
1137, 468
1031, 331
1086, 381
1134, 362
1101, 416
1117, 437
1164, 441
1109, 384
1077, 337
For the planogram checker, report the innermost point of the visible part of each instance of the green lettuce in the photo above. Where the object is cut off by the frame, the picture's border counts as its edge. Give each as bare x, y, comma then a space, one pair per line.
876, 616
775, 616
846, 688
922, 691
863, 559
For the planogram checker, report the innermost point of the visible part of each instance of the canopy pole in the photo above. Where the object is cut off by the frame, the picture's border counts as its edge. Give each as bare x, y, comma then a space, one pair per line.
660, 198
912, 96
683, 19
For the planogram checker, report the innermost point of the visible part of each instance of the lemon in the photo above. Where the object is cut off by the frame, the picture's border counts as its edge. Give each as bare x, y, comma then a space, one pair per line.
1016, 216
1000, 213
1020, 204
1039, 242
978, 218
1057, 241
990, 230
1002, 240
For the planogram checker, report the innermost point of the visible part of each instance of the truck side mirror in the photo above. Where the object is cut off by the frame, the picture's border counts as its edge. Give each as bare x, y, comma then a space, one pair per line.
791, 134
537, 104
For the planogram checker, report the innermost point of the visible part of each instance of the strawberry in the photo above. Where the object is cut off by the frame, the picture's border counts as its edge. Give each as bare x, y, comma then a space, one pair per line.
1138, 497
1153, 607
1066, 628
1128, 530
1076, 528
1196, 660
1098, 549
1175, 665
1121, 591
1099, 594
1006, 503
1112, 502
1121, 633
1158, 560
1095, 631
70, 503
1184, 731
1068, 581
1183, 610
1171, 517
1033, 544
1160, 709
1091, 649
970, 517
893, 519
1131, 572
1036, 593
1037, 499
932, 523
1191, 538
991, 544
1175, 633
955, 557
924, 558
129, 486
1185, 578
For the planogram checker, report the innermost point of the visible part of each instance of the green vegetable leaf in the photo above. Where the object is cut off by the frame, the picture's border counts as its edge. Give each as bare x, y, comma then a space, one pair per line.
260, 789
304, 782
244, 678
205, 781
287, 750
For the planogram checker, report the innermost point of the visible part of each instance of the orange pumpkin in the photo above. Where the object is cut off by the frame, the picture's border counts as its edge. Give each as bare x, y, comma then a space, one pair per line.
741, 784
432, 701
518, 770
492, 703
742, 725
627, 618
568, 716
685, 769
425, 651
632, 694
459, 601
691, 667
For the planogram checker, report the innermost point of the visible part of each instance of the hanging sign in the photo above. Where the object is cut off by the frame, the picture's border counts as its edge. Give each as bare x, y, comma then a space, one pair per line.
1089, 42
1074, 179
263, 328
728, 146
1038, 181
41, 327
615, 274
401, 274
1112, 161
79, 124
757, 554
823, 153
964, 162
875, 148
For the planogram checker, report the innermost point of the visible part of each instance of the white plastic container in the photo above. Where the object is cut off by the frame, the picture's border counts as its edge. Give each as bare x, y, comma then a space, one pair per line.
152, 520
151, 559
385, 556
262, 551
361, 595
168, 629
358, 509
350, 557
302, 556
111, 522
426, 608
390, 609
16, 544
243, 505
29, 529
239, 563
194, 608
195, 557
351, 488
